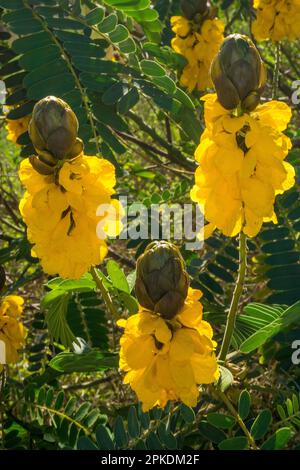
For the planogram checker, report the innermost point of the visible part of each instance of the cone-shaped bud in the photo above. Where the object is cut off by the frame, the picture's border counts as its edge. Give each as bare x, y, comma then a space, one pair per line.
53, 127
238, 73
161, 279
2, 278
41, 167
190, 8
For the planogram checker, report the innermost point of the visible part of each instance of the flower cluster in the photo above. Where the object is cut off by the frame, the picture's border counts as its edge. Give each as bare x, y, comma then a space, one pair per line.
12, 332
198, 43
16, 127
277, 20
242, 166
167, 359
60, 213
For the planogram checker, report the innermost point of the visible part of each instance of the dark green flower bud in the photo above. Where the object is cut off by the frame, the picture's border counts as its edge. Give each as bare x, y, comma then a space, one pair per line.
161, 279
190, 8
2, 278
238, 73
53, 127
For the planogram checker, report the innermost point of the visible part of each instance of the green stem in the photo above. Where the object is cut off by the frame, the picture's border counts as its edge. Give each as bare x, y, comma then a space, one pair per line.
2, 383
276, 71
107, 299
235, 298
239, 420
106, 296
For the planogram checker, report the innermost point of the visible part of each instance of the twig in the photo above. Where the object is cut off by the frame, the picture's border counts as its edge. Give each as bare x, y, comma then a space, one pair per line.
235, 298
239, 420
276, 72
89, 384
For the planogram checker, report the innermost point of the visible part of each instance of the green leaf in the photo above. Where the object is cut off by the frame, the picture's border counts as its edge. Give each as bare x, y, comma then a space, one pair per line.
12, 4
152, 69
226, 378
147, 15
234, 443
220, 420
128, 101
95, 16
82, 411
165, 83
261, 424
56, 85
244, 404
34, 41
166, 437
84, 49
282, 320
120, 34
59, 400
128, 46
113, 94
56, 302
130, 302
45, 71
210, 432
26, 26
117, 276
104, 438
65, 23
108, 24
85, 284
91, 418
120, 433
131, 278
133, 423
187, 413
35, 58
181, 96
84, 443
278, 440
92, 361
70, 406
153, 442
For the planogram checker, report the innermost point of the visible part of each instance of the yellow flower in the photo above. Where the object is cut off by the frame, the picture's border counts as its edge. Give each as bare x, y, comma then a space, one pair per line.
167, 359
12, 332
242, 166
198, 43
60, 214
16, 128
277, 20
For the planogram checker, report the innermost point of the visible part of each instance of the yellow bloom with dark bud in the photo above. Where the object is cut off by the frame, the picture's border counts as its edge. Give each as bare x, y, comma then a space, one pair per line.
198, 38
53, 129
12, 331
16, 127
168, 359
238, 73
60, 213
161, 279
242, 166
276, 20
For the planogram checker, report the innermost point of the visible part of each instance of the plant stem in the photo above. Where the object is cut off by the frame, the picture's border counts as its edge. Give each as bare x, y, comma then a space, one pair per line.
239, 420
107, 299
2, 383
235, 298
276, 71
106, 296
